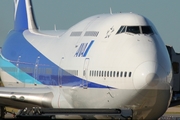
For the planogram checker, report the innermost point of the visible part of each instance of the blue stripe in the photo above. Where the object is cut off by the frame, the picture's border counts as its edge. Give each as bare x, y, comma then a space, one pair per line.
24, 56
16, 72
87, 50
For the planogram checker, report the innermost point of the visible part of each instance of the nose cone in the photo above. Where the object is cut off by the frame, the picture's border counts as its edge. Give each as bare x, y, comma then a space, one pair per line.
148, 75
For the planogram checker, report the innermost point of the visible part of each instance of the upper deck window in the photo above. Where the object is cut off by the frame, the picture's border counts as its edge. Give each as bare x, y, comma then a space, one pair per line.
135, 29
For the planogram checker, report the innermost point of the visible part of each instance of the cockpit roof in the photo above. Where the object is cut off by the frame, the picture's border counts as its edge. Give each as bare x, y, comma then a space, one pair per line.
104, 22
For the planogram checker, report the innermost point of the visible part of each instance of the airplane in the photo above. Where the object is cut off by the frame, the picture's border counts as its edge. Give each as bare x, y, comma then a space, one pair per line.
115, 60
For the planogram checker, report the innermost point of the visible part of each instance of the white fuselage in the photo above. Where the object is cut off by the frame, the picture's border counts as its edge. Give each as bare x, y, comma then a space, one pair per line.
134, 69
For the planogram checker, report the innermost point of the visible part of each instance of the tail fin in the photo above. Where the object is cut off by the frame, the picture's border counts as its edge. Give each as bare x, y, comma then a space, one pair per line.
23, 16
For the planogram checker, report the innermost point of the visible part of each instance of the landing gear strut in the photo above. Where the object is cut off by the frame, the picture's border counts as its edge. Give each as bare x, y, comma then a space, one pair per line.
2, 111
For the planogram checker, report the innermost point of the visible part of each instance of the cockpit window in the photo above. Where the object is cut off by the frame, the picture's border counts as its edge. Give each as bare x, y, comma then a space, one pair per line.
146, 30
122, 29
133, 29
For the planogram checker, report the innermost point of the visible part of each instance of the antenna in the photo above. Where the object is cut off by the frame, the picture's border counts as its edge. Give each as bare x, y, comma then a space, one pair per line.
110, 11
55, 27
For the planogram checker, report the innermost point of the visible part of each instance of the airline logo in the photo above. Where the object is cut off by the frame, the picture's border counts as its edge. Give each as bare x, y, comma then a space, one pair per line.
83, 49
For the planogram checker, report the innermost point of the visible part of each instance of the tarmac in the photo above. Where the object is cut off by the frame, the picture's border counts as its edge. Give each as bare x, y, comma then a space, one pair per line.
172, 113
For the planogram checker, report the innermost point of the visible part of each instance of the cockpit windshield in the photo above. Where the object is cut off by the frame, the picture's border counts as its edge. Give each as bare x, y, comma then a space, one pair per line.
146, 30
135, 29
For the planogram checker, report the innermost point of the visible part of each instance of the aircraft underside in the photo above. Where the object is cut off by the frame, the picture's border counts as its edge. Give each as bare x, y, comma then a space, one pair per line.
144, 103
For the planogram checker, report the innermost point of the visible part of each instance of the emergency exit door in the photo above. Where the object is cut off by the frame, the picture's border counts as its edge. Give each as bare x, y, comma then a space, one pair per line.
85, 73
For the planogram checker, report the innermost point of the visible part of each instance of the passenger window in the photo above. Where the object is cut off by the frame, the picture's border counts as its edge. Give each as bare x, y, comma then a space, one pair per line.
114, 75
99, 73
125, 74
90, 73
133, 29
129, 74
111, 74
107, 73
84, 73
95, 73
104, 73
121, 73
118, 74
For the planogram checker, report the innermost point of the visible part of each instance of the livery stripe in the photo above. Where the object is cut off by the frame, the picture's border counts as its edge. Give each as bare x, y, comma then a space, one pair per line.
12, 70
23, 55
87, 50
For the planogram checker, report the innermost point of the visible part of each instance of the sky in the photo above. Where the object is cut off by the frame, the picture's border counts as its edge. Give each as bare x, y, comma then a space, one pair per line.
164, 14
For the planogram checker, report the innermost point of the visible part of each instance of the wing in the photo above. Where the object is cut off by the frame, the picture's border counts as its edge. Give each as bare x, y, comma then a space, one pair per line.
26, 97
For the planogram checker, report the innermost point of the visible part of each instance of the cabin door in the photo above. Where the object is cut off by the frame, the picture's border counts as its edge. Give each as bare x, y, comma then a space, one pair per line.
18, 72
36, 70
60, 72
85, 73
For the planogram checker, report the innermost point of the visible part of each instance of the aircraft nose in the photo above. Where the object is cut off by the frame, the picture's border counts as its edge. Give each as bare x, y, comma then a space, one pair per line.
148, 75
